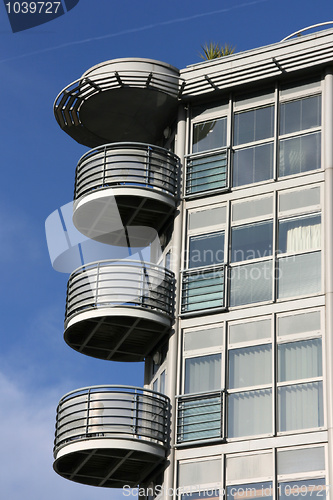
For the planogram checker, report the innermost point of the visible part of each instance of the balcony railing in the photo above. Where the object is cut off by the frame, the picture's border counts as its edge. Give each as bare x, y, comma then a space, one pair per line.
127, 164
67, 103
203, 288
200, 417
128, 283
118, 412
121, 99
207, 172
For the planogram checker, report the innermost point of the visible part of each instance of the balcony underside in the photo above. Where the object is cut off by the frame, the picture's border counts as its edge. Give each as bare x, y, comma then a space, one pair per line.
122, 114
96, 212
110, 463
118, 333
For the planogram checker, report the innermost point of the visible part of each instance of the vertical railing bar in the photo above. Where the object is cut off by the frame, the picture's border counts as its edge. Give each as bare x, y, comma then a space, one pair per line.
97, 283
104, 166
88, 411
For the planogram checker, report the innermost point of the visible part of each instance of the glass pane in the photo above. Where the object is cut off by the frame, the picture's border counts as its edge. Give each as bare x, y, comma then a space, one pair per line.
300, 154
299, 235
250, 366
250, 413
201, 339
299, 275
203, 290
199, 418
301, 460
208, 493
210, 216
299, 323
251, 283
251, 491
203, 374
162, 382
307, 488
249, 331
252, 241
206, 249
249, 209
253, 125
254, 164
300, 406
202, 472
207, 173
248, 467
300, 115
210, 134
293, 200
299, 360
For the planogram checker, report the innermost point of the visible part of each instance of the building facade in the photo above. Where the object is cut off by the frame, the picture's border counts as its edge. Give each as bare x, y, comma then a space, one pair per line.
224, 172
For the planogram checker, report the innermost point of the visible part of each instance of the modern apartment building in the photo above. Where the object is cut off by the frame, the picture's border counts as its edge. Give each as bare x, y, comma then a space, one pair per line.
227, 167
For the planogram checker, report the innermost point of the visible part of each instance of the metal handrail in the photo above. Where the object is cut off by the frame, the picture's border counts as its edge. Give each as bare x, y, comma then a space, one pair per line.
127, 283
112, 412
204, 175
299, 32
127, 164
200, 416
200, 292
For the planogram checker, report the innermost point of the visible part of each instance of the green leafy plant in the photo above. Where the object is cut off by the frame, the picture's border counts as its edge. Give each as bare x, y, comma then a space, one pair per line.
213, 50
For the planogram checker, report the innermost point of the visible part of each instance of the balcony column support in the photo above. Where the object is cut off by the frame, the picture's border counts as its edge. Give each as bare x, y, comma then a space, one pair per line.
176, 265
328, 265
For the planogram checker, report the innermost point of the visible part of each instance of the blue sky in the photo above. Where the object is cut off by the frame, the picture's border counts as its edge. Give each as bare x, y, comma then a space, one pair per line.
38, 162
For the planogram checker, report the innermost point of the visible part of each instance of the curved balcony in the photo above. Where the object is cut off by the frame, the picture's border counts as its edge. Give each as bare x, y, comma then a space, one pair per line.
120, 100
118, 310
124, 184
111, 436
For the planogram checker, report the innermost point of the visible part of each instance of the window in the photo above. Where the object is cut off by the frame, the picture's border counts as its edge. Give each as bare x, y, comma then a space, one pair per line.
200, 409
267, 143
297, 471
299, 151
251, 241
207, 165
206, 250
299, 372
250, 380
254, 125
300, 274
204, 278
203, 373
255, 162
210, 134
268, 381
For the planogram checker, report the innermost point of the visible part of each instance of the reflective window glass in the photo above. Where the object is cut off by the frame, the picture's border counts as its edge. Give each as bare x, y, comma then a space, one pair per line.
206, 249
203, 374
300, 235
299, 275
299, 360
300, 115
301, 460
250, 413
253, 125
300, 154
253, 164
250, 366
210, 134
252, 241
306, 488
300, 406
251, 491
251, 283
